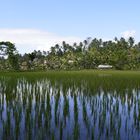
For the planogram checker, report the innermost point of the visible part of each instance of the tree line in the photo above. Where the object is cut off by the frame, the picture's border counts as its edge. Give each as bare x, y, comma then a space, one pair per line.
122, 54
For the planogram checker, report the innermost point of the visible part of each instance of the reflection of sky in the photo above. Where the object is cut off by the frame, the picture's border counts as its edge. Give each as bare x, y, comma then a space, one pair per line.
98, 110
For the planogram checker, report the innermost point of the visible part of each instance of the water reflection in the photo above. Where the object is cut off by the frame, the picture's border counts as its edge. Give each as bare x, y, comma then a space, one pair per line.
48, 108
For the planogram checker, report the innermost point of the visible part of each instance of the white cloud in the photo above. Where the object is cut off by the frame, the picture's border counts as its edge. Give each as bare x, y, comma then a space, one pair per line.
27, 40
129, 33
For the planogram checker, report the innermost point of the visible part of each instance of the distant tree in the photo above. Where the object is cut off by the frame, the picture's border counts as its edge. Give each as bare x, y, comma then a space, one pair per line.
9, 49
32, 56
64, 46
116, 39
131, 41
44, 53
78, 48
120, 53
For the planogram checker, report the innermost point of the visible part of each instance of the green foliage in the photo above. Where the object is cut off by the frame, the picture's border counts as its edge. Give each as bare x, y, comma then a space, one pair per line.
66, 105
122, 54
9, 49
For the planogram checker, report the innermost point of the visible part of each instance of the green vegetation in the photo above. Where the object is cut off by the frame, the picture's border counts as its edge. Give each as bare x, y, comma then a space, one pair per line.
8, 49
70, 105
120, 53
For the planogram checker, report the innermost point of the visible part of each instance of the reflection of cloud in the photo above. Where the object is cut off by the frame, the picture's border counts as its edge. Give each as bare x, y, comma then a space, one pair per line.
27, 40
127, 34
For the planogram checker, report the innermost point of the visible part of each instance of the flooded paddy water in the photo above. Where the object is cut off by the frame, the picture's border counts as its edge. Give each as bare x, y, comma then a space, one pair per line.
70, 105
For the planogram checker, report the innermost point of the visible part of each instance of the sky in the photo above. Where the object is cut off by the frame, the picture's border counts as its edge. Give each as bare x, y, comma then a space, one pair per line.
40, 24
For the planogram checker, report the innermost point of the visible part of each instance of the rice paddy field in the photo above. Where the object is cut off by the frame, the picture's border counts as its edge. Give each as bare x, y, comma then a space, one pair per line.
70, 105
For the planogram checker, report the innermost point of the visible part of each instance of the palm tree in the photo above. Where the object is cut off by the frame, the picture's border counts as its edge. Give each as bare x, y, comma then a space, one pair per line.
64, 45
131, 41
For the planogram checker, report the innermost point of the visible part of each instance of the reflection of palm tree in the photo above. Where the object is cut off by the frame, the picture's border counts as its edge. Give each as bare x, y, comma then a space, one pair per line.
18, 116
76, 125
56, 107
85, 117
7, 127
66, 108
61, 130
48, 114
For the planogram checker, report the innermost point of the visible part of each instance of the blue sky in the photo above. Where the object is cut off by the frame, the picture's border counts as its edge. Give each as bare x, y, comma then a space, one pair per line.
38, 24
